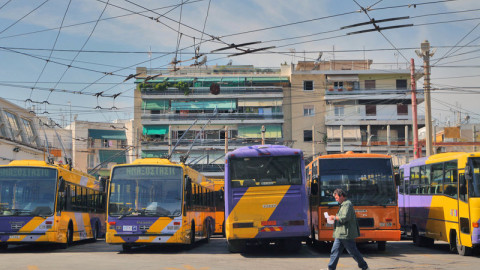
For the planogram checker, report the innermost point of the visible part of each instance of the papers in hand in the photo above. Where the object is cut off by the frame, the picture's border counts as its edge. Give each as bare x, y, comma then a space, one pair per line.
329, 221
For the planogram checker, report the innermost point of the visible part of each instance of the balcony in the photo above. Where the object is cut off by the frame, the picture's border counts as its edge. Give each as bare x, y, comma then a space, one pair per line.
153, 144
336, 93
185, 116
224, 90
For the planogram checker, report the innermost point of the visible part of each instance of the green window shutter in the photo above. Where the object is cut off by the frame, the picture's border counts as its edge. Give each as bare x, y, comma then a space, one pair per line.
107, 134
150, 104
155, 130
271, 131
105, 155
154, 154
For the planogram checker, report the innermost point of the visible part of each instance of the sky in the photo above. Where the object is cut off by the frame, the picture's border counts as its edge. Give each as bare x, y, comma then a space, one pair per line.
68, 59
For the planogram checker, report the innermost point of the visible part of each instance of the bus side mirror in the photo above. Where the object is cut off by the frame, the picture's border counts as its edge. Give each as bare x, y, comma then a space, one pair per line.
397, 179
468, 173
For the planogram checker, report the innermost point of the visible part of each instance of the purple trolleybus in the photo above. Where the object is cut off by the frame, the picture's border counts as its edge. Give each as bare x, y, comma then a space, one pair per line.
265, 197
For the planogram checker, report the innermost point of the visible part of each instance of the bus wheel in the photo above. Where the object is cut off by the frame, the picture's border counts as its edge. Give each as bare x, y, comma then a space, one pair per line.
95, 232
453, 242
192, 236
416, 237
3, 246
463, 250
207, 232
126, 248
381, 245
236, 246
68, 236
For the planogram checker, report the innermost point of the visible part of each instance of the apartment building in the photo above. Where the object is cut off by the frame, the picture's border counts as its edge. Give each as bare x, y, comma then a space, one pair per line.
345, 105
200, 113
97, 146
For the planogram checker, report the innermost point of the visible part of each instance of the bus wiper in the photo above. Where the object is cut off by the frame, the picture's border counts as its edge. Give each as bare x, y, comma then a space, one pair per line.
17, 212
126, 214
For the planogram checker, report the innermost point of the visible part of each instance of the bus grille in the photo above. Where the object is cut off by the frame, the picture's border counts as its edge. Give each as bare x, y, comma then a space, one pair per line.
365, 222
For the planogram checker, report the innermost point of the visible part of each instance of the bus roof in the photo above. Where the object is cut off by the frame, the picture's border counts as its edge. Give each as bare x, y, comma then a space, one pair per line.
264, 150
351, 154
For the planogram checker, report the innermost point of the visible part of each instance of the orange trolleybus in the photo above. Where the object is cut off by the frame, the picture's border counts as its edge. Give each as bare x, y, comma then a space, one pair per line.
369, 182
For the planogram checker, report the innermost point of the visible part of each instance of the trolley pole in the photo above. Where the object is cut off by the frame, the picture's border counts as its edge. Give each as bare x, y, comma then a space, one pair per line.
425, 54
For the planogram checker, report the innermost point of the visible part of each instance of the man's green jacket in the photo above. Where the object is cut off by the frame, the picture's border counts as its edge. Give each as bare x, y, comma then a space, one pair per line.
347, 226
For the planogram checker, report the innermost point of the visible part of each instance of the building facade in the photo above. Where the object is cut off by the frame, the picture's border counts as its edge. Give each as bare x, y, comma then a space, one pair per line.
97, 146
198, 114
340, 106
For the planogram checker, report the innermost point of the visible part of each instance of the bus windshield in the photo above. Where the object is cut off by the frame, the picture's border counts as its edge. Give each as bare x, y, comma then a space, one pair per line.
146, 190
474, 188
265, 171
367, 181
27, 191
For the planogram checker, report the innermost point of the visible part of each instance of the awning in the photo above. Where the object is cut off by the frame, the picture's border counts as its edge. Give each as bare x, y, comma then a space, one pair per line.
155, 130
271, 131
260, 102
204, 105
342, 78
117, 156
107, 134
349, 132
154, 104
268, 79
154, 154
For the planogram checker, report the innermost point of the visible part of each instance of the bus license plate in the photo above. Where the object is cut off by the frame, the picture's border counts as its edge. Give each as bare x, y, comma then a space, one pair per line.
14, 237
144, 238
127, 228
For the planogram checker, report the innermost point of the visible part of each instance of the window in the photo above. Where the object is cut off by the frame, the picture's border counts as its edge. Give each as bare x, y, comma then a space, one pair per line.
307, 136
450, 179
12, 120
370, 84
338, 85
339, 110
401, 84
371, 110
308, 85
308, 110
402, 109
28, 128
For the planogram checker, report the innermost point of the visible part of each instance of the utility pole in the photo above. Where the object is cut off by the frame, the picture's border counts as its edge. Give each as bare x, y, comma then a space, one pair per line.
263, 134
413, 83
313, 142
226, 139
425, 54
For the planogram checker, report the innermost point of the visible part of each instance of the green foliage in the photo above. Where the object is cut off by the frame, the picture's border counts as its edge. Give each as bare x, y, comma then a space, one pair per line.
183, 87
161, 86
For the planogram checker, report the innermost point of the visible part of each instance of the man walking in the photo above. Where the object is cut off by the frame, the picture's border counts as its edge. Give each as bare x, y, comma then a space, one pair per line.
345, 231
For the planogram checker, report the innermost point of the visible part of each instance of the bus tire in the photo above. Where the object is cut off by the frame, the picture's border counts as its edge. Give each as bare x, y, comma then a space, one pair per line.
3, 246
381, 245
223, 229
453, 242
207, 232
416, 237
68, 236
126, 248
192, 236
95, 232
236, 246
463, 250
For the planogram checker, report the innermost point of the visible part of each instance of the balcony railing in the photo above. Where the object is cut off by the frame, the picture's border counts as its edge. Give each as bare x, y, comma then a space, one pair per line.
211, 142
207, 116
225, 90
380, 91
